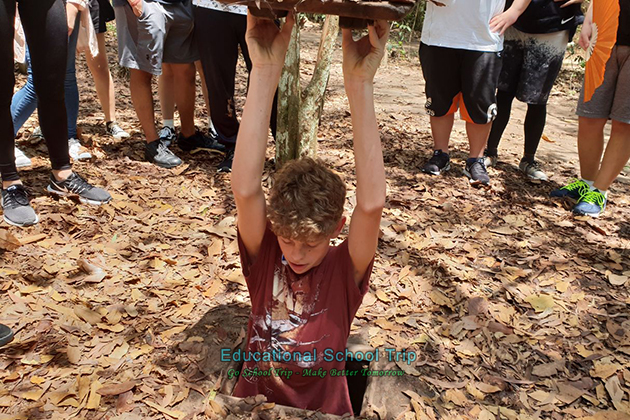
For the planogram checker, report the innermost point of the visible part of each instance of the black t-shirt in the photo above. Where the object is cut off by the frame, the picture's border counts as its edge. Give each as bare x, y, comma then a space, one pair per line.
545, 16
623, 34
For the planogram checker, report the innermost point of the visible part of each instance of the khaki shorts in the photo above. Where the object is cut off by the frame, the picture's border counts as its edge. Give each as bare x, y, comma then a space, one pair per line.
162, 34
612, 99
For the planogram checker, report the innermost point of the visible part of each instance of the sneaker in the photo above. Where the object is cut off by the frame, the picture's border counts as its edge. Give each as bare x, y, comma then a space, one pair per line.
157, 152
37, 134
212, 131
168, 135
21, 160
77, 151
226, 165
6, 335
200, 143
533, 171
591, 204
17, 209
573, 191
76, 186
439, 162
489, 160
476, 171
115, 131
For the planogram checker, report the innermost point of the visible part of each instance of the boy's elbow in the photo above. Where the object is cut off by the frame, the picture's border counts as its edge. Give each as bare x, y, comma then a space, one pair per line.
244, 191
373, 207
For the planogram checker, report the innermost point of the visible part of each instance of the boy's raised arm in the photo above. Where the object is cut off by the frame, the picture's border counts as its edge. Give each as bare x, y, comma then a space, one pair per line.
360, 61
267, 46
501, 22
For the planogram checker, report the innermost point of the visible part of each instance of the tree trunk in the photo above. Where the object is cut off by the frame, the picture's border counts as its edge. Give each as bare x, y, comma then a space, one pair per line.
299, 112
289, 98
313, 96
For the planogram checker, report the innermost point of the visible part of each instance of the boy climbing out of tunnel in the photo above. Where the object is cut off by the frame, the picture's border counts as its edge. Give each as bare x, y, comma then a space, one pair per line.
304, 292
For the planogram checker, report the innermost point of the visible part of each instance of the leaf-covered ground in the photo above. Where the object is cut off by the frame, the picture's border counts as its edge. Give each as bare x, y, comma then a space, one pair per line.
516, 309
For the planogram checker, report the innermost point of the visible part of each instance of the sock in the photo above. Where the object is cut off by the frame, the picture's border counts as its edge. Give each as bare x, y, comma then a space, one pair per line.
169, 123
470, 161
108, 123
528, 158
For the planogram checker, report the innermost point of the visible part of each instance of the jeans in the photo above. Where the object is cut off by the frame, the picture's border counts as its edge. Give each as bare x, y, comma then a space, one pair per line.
25, 100
46, 32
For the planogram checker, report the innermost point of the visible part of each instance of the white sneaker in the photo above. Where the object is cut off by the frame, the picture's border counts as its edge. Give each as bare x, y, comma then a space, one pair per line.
78, 152
116, 132
533, 171
490, 161
37, 134
168, 135
21, 160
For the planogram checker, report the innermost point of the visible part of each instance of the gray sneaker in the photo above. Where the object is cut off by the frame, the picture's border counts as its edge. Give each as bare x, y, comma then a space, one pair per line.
16, 206
158, 153
533, 171
76, 186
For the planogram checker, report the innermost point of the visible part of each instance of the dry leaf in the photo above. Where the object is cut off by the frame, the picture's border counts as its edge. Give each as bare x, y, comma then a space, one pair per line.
8, 241
541, 303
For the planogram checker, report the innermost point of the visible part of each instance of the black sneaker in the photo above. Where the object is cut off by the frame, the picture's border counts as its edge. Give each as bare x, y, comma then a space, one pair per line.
476, 171
76, 186
439, 162
157, 152
6, 335
17, 209
200, 143
226, 165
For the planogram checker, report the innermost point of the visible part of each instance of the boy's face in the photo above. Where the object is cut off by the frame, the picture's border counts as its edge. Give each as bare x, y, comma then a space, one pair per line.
304, 255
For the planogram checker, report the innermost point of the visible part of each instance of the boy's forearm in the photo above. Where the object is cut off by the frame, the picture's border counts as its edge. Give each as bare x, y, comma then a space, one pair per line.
251, 144
367, 147
519, 6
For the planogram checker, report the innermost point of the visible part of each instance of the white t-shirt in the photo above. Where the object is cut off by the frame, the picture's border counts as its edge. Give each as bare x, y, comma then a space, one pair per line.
463, 24
222, 7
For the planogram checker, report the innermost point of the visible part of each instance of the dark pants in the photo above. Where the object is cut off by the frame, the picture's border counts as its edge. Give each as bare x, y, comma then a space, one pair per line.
46, 32
219, 36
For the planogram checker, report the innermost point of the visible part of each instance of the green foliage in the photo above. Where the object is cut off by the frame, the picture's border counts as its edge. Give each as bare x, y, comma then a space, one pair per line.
396, 44
574, 53
315, 17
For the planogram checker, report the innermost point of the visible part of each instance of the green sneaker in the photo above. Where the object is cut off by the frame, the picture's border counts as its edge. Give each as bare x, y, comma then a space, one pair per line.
592, 204
574, 191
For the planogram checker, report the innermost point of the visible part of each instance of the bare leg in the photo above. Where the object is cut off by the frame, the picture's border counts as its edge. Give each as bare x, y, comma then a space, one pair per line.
204, 88
590, 145
166, 92
142, 99
184, 78
616, 155
99, 67
441, 128
477, 138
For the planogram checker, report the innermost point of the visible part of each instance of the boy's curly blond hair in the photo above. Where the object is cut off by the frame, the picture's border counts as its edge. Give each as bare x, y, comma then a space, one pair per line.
306, 200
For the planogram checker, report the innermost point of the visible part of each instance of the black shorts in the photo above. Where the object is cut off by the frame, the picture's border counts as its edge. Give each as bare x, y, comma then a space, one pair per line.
464, 79
531, 64
101, 12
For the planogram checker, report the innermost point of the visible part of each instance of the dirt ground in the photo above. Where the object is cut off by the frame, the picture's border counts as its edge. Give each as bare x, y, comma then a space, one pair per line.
516, 309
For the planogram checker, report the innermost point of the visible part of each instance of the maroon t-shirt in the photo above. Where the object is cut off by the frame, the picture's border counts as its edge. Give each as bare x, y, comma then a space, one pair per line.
294, 316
